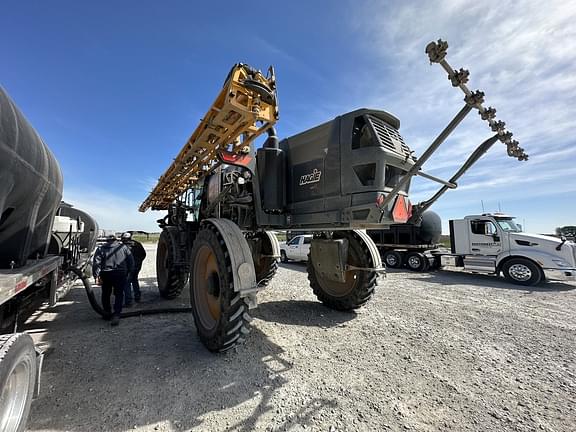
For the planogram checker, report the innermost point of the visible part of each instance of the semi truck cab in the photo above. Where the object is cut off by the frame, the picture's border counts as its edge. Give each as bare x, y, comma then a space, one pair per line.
494, 243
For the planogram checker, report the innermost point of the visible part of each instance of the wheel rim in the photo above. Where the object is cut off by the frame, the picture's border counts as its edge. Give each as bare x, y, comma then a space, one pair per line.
414, 262
207, 288
391, 260
520, 272
162, 264
14, 396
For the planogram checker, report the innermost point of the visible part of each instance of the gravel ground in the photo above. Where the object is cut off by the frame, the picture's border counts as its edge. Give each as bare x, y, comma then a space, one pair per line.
432, 351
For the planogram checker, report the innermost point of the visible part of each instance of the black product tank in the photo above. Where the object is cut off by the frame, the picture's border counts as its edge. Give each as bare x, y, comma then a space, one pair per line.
30, 188
430, 228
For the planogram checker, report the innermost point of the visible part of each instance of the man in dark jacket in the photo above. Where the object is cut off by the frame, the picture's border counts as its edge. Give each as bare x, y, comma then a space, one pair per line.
112, 265
132, 284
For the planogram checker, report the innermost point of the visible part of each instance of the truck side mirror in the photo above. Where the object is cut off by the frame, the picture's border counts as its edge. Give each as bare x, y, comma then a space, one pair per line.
496, 237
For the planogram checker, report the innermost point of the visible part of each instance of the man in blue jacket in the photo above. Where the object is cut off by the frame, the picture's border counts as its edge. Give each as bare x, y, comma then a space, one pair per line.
112, 265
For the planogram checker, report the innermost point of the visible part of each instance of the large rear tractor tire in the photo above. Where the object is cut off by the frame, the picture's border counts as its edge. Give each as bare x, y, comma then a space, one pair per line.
171, 281
359, 285
220, 314
17, 380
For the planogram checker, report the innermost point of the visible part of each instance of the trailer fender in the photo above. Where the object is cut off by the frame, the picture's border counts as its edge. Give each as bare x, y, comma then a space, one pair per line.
241, 260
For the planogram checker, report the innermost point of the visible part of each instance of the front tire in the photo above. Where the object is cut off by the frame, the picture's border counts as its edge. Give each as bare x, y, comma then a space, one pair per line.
171, 282
17, 380
283, 257
522, 271
359, 285
220, 314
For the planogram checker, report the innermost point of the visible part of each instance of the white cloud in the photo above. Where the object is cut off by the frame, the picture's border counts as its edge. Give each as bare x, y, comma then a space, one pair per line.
522, 54
111, 211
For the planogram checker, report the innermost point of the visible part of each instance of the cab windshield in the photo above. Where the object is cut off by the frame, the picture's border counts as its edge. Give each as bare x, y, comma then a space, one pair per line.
508, 225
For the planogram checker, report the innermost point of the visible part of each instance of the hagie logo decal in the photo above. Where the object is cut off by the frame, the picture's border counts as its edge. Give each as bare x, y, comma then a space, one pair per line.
313, 177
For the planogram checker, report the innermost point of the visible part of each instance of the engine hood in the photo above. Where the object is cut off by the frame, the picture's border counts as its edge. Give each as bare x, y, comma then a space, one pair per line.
542, 243
535, 238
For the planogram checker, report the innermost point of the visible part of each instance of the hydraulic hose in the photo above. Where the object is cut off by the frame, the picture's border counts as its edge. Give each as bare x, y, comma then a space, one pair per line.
98, 308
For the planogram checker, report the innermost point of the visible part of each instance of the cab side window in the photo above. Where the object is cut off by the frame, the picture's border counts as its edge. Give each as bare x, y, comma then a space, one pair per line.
482, 227
307, 240
490, 228
294, 241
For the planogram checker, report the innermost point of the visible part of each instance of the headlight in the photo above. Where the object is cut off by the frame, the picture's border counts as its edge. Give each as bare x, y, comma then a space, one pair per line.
560, 263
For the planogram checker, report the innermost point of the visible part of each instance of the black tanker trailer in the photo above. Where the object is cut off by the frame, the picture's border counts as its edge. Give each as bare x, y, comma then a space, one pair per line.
43, 246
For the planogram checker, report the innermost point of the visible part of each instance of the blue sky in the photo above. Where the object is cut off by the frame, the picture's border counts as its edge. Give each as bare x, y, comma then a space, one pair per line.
116, 88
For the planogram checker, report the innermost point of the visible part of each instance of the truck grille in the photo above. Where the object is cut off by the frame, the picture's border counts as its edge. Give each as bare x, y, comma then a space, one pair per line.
388, 136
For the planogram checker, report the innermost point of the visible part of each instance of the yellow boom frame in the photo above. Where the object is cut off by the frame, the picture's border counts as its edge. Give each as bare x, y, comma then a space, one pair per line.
245, 108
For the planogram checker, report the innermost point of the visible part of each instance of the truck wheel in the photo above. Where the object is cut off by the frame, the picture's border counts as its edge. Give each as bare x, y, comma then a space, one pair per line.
417, 261
17, 380
170, 281
220, 314
283, 257
522, 271
359, 285
393, 259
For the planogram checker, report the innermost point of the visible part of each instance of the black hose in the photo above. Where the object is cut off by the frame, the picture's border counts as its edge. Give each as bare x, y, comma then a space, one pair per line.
98, 308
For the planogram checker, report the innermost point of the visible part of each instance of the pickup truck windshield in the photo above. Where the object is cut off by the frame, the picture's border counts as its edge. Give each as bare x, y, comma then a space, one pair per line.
508, 225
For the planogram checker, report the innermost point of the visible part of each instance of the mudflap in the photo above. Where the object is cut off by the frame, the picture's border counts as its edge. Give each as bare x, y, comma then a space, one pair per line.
329, 258
240, 258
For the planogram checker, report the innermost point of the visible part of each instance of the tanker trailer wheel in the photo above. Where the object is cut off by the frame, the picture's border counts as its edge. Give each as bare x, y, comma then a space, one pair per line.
393, 259
417, 261
220, 314
171, 282
522, 271
17, 380
359, 285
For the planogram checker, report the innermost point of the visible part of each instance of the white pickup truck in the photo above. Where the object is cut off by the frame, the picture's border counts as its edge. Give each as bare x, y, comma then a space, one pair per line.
296, 248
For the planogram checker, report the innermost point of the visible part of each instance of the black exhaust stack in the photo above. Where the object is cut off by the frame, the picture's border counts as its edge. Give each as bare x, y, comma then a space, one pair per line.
271, 162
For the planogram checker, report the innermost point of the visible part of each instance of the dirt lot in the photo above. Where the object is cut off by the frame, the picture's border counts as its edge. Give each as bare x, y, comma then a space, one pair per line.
439, 351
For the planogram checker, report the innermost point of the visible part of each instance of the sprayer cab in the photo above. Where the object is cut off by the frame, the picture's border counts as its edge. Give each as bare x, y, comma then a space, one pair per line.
337, 173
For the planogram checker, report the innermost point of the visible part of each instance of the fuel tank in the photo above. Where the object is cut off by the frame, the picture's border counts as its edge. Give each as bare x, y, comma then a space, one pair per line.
30, 188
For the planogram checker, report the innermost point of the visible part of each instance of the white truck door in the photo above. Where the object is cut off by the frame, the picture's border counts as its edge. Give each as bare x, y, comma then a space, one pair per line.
293, 247
485, 239
305, 248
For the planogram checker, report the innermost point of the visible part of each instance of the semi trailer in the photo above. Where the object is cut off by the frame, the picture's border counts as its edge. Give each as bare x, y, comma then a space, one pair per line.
44, 243
223, 198
489, 243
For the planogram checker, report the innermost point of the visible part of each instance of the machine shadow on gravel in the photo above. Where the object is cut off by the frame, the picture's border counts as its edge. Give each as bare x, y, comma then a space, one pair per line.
302, 313
483, 280
155, 372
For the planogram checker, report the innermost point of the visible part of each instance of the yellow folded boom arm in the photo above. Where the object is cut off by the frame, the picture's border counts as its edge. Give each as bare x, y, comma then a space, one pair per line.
245, 108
